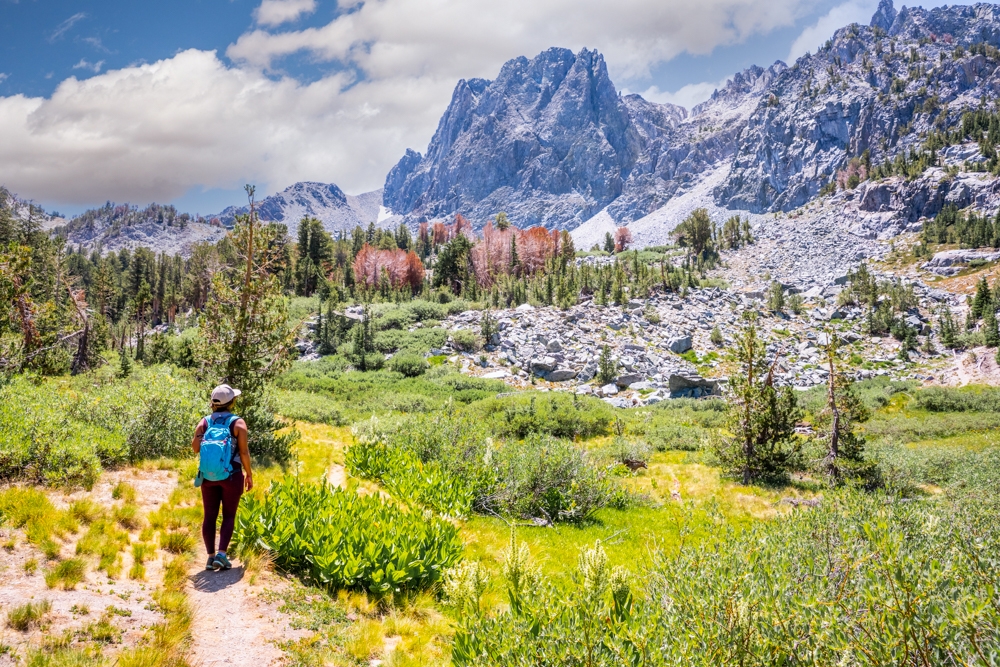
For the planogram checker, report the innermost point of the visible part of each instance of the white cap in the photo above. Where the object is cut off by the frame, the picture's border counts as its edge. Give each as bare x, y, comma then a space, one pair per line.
224, 394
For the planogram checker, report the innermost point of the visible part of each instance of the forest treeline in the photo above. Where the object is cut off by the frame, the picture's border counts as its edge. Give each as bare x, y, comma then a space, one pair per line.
65, 305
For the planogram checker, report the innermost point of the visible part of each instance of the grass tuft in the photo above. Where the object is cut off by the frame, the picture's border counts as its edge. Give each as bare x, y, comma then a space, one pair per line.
125, 492
176, 542
29, 615
67, 574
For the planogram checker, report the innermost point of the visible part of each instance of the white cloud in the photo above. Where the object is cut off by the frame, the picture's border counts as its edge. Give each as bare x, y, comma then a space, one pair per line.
687, 96
3, 76
472, 38
65, 26
853, 11
86, 64
151, 132
276, 12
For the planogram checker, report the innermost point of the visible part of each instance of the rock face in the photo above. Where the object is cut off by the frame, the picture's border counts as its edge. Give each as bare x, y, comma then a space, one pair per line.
551, 142
325, 201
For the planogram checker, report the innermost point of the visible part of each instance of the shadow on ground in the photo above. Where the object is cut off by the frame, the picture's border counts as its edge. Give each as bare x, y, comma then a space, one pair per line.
207, 581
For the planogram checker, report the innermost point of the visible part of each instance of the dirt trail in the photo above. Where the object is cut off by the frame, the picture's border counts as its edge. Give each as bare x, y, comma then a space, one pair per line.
336, 475
232, 625
976, 366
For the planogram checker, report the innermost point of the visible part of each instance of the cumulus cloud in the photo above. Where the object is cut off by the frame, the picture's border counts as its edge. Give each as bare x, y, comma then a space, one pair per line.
686, 96
814, 36
86, 64
66, 26
151, 132
468, 37
276, 12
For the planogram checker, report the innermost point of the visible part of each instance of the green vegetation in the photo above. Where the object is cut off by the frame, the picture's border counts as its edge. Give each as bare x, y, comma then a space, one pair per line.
28, 615
343, 540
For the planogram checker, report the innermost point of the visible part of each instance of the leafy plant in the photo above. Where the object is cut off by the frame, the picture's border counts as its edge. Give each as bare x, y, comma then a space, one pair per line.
342, 540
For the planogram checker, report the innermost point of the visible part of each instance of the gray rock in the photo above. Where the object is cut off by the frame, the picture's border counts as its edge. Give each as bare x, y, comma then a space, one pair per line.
554, 346
561, 375
609, 389
679, 344
627, 379
545, 364
685, 384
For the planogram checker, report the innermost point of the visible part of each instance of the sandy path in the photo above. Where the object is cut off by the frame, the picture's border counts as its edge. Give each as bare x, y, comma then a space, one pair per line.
231, 625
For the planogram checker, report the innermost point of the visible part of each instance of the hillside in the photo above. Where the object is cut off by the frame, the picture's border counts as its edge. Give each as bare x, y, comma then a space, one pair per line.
325, 201
158, 227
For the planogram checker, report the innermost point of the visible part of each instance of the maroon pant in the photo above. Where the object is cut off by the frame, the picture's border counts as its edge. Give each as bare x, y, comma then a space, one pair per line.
227, 494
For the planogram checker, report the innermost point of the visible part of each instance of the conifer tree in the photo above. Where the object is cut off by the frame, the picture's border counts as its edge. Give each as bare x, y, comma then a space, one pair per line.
845, 448
991, 336
983, 298
607, 367
246, 337
761, 418
946, 328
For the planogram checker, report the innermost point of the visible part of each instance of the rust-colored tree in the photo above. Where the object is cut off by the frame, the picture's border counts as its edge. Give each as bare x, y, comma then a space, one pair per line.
623, 239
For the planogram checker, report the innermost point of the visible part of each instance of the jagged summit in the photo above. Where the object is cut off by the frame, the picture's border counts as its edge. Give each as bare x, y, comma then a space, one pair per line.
549, 140
884, 16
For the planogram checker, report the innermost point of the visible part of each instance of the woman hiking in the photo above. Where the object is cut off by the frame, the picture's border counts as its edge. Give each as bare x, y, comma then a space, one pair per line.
220, 440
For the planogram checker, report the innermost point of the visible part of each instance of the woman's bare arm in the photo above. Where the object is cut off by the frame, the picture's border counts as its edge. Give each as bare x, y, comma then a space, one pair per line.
240, 427
199, 431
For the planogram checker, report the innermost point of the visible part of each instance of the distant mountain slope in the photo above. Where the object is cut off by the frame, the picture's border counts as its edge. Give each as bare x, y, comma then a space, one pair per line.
116, 226
551, 141
324, 201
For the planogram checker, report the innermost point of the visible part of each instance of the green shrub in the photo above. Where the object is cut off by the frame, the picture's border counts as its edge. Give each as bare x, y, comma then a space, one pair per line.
341, 540
309, 406
465, 340
408, 364
538, 477
944, 399
555, 413
849, 582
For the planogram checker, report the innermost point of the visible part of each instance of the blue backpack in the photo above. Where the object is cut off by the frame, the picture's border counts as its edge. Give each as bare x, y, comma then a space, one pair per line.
216, 453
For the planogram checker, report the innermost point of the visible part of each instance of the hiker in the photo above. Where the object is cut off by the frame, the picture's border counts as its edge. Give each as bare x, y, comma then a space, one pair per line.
220, 440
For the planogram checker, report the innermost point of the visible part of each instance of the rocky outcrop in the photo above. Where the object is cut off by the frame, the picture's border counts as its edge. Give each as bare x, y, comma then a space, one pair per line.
550, 142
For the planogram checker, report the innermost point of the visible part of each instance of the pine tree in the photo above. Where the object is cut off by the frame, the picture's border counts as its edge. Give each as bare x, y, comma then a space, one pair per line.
946, 328
246, 335
124, 363
609, 243
845, 448
761, 417
607, 366
983, 298
991, 335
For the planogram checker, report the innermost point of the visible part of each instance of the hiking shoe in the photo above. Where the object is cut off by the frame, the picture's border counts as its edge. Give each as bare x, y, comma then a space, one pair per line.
211, 563
221, 562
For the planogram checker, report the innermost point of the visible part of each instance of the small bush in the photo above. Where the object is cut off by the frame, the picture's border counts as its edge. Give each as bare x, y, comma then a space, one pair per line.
67, 574
465, 340
408, 364
28, 616
311, 407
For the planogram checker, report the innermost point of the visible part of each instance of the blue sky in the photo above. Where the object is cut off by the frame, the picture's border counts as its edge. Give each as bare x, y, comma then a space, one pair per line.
183, 101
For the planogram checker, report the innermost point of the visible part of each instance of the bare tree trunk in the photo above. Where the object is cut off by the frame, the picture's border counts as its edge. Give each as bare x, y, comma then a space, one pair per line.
834, 451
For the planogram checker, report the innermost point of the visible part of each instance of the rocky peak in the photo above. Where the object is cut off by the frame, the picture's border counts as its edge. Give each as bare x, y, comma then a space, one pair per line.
884, 16
548, 142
